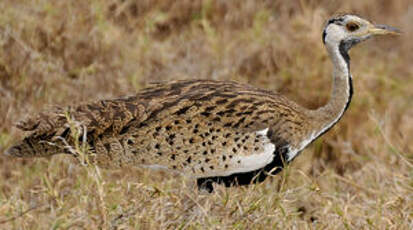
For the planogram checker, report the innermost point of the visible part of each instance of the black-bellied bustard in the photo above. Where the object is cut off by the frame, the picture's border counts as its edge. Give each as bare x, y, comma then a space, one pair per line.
215, 131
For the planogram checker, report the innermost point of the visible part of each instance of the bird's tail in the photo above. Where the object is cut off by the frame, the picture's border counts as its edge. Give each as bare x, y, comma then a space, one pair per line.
58, 129
33, 147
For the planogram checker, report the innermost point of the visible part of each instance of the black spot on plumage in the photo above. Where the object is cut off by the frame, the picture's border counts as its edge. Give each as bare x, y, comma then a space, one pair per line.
183, 110
229, 112
220, 113
222, 101
217, 119
172, 136
206, 114
209, 108
243, 113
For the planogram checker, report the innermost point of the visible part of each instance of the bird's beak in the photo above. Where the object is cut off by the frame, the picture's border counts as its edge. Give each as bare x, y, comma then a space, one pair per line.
384, 29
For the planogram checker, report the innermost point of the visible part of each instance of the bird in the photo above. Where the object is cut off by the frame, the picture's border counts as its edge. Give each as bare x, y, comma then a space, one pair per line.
221, 132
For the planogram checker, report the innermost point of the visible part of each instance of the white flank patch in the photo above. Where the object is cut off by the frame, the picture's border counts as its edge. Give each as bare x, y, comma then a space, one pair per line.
263, 132
251, 162
155, 167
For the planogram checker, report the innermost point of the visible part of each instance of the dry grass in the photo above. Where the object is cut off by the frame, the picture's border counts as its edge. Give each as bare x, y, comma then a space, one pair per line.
358, 176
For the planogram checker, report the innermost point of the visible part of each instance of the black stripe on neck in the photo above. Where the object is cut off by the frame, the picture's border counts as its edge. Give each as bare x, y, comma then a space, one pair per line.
351, 91
324, 36
343, 48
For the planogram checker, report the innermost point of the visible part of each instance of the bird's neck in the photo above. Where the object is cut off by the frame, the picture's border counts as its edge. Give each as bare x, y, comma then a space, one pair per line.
328, 115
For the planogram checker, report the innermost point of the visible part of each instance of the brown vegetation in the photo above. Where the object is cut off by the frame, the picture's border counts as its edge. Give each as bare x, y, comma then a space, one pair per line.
359, 175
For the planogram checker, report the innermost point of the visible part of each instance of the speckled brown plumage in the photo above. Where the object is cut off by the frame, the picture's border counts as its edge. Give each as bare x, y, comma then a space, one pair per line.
197, 127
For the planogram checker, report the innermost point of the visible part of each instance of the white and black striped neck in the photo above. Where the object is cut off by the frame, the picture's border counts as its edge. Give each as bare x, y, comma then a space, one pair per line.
342, 88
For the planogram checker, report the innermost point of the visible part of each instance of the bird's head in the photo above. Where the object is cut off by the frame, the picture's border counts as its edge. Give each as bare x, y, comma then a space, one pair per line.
348, 30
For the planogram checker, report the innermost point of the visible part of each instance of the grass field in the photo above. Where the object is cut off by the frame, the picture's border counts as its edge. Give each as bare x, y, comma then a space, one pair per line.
358, 176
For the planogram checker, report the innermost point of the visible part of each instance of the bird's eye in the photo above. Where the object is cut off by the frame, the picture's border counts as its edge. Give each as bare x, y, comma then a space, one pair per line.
351, 26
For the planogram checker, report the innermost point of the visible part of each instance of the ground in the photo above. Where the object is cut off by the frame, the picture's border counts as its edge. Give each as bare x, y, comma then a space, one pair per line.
358, 176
